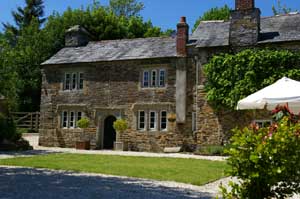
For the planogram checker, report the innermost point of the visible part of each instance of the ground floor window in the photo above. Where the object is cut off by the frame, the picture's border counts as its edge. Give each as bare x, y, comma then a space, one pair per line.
70, 119
194, 121
142, 120
163, 121
152, 120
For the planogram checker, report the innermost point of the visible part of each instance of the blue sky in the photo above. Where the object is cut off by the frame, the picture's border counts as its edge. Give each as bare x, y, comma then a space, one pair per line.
163, 13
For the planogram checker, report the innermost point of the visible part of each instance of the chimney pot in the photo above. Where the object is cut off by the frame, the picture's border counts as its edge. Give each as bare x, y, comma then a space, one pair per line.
182, 19
244, 4
182, 37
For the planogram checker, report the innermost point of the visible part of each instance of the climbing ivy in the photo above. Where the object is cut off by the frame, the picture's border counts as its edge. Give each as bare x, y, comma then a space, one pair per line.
231, 77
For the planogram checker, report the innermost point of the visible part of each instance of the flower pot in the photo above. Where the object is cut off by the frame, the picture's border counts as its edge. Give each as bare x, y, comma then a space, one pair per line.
83, 145
119, 146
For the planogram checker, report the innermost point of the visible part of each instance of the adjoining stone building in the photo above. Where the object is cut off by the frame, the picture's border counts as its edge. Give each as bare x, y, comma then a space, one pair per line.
147, 81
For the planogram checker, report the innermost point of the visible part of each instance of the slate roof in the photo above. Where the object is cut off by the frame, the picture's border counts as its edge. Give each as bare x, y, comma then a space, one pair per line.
211, 34
273, 29
113, 50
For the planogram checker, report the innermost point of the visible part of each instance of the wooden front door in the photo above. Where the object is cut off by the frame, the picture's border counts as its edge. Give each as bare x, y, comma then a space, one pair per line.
109, 132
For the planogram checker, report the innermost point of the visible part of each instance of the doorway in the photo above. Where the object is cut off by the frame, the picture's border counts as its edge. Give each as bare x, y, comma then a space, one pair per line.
109, 133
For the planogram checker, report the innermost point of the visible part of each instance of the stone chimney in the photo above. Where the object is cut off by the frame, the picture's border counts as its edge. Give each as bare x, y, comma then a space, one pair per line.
182, 37
77, 36
244, 24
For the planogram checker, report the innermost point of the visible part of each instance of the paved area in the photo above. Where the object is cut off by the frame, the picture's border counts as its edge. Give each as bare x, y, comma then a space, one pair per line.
33, 139
19, 183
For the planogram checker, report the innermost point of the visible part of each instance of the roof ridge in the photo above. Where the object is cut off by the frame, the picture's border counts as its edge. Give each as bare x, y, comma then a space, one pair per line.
282, 15
127, 39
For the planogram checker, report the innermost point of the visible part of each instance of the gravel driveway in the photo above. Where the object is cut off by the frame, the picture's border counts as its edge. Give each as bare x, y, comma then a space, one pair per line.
19, 183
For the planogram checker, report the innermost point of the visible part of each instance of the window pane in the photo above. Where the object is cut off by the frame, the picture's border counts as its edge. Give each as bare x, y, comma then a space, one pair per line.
141, 119
65, 119
72, 119
146, 79
163, 120
162, 77
79, 116
74, 81
67, 81
80, 80
152, 120
153, 78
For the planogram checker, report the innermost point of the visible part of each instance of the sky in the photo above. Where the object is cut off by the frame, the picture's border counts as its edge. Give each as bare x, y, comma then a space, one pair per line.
162, 13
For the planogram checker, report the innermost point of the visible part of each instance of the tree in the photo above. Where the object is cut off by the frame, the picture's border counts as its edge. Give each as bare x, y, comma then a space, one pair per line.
230, 78
126, 8
216, 13
34, 9
281, 9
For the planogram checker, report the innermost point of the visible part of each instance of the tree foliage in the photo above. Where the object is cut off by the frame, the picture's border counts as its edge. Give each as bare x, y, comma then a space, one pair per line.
126, 8
280, 9
32, 44
230, 78
222, 13
34, 9
265, 159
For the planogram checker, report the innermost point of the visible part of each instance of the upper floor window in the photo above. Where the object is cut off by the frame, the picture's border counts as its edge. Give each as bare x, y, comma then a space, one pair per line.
73, 81
162, 77
154, 78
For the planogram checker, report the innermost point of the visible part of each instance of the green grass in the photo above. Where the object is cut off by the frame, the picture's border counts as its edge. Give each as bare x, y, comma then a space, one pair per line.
191, 171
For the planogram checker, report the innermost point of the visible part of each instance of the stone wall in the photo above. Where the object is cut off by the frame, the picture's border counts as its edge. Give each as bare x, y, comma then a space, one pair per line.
113, 89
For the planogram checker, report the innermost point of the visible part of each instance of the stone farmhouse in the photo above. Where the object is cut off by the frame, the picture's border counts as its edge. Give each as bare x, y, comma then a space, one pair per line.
155, 84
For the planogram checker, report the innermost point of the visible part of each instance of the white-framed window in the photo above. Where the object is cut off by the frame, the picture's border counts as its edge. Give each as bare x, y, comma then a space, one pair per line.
152, 120
65, 119
73, 81
72, 119
163, 121
80, 86
194, 119
67, 82
153, 78
162, 78
146, 79
142, 120
263, 123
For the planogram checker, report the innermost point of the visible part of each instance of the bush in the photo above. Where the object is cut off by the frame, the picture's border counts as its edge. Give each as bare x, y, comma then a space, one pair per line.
211, 150
266, 161
83, 123
8, 129
120, 125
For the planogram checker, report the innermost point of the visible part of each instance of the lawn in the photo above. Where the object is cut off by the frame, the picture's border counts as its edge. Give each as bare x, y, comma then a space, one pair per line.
191, 171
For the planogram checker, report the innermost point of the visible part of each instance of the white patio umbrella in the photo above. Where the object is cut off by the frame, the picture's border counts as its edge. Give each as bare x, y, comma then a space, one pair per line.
281, 92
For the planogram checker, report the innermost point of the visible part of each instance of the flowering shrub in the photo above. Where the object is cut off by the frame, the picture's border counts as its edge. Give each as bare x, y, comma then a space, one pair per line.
266, 160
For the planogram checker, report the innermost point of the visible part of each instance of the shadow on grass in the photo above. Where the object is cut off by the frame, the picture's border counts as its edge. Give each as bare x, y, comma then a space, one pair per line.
25, 153
17, 183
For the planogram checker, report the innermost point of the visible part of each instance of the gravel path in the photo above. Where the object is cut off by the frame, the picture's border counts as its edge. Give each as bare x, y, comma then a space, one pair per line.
33, 140
19, 183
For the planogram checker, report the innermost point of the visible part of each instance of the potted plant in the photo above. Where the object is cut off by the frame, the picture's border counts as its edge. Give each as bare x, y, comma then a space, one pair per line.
83, 123
171, 117
120, 126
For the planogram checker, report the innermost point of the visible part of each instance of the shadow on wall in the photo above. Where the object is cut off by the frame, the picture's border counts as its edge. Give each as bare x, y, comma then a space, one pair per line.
17, 183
